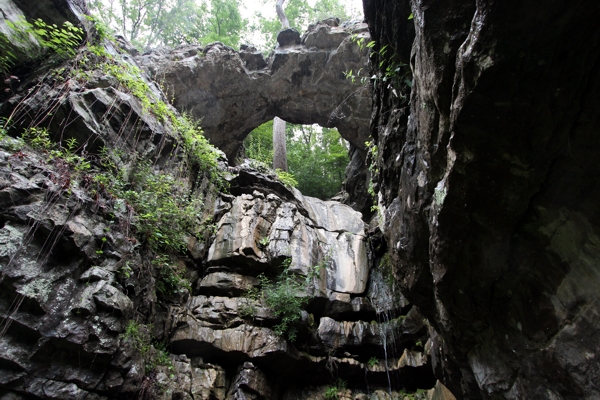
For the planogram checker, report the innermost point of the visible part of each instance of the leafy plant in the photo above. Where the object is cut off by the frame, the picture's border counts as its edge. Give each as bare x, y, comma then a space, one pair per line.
102, 30
394, 72
62, 41
134, 334
282, 295
159, 357
164, 212
332, 392
38, 138
286, 178
373, 361
153, 354
361, 43
126, 270
7, 55
169, 279
372, 155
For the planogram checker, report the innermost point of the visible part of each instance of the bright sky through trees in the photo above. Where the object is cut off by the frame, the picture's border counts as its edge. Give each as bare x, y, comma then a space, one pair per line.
151, 23
250, 7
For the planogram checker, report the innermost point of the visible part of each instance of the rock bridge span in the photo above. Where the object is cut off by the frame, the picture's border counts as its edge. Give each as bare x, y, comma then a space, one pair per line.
302, 81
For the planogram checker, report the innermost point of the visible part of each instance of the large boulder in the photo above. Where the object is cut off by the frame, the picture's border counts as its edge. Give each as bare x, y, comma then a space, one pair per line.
261, 228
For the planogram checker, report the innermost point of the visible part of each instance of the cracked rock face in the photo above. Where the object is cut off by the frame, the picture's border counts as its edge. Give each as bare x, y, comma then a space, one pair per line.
302, 81
488, 182
260, 229
263, 224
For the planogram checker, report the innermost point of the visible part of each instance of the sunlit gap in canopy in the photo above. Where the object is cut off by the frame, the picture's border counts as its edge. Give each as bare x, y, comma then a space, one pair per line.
316, 156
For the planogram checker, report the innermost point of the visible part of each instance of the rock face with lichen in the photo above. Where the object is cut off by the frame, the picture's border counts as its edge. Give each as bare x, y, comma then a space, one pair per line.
487, 186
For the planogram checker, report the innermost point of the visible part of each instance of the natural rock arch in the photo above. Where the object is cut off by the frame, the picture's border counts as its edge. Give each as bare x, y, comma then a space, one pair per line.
302, 81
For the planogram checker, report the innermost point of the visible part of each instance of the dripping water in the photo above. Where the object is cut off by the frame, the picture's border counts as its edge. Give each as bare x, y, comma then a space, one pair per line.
385, 354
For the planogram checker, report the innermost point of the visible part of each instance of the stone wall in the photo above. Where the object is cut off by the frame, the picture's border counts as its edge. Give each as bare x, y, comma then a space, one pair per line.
487, 186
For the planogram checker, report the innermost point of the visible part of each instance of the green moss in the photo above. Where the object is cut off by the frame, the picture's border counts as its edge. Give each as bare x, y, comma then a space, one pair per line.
153, 352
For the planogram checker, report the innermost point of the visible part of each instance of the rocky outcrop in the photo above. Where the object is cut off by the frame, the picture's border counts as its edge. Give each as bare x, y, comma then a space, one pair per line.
90, 310
309, 231
487, 186
302, 81
326, 245
62, 305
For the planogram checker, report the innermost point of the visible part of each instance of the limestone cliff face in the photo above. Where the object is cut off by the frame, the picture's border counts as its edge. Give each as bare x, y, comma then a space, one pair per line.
90, 309
487, 183
484, 117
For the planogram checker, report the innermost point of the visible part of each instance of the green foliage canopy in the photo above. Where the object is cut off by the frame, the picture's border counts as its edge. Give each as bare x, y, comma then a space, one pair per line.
147, 23
317, 157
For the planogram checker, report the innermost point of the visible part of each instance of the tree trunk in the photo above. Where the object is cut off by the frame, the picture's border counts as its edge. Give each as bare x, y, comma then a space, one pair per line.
281, 14
279, 149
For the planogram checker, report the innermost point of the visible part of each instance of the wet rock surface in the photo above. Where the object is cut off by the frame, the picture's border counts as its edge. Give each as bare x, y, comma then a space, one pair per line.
487, 183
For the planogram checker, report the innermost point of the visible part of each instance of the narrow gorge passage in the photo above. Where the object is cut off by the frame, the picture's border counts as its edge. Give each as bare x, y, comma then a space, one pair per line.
136, 262
140, 258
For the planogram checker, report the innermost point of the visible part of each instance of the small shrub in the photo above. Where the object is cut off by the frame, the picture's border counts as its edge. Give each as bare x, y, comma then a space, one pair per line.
286, 178
332, 392
165, 213
283, 297
102, 30
134, 334
38, 138
159, 357
169, 279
